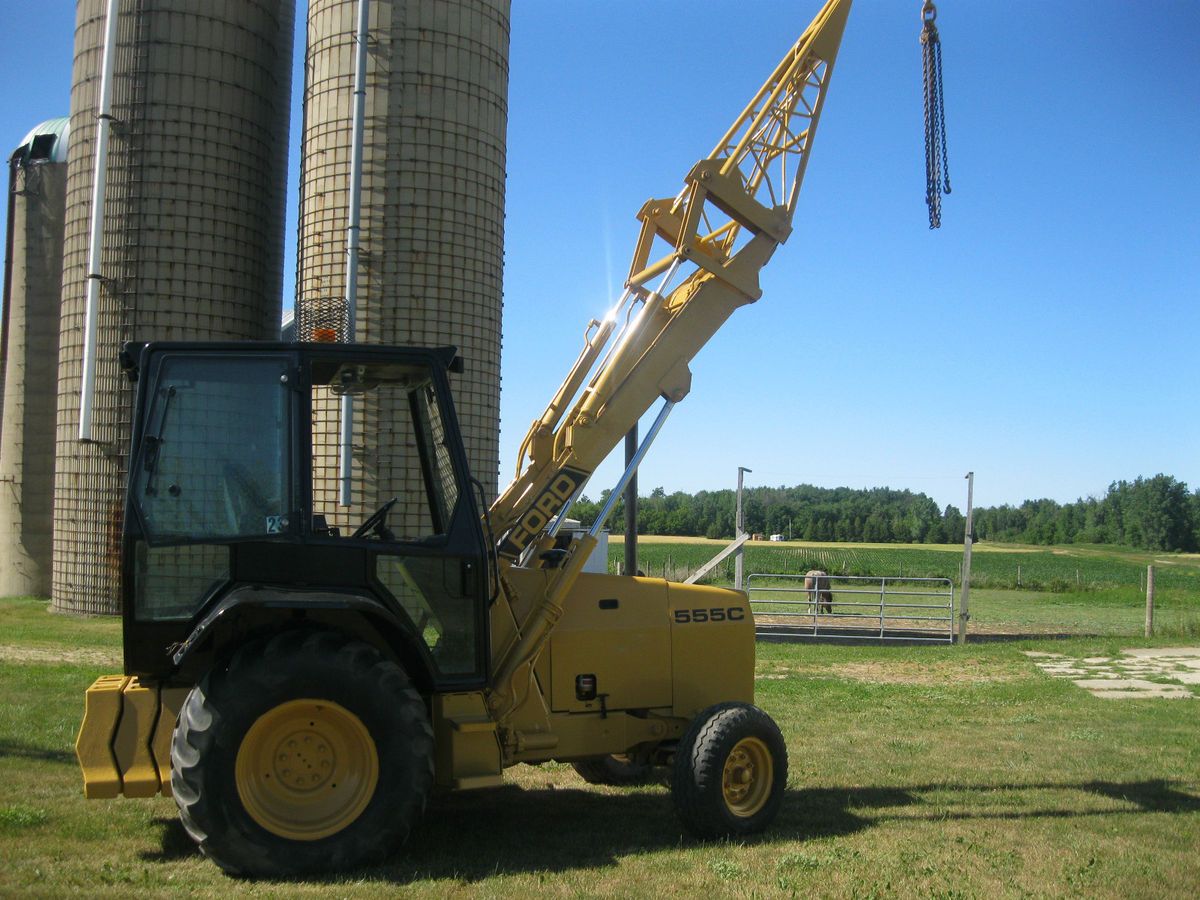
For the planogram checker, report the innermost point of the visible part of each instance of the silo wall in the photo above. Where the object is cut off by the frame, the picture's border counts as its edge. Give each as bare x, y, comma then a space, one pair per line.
431, 259
29, 359
194, 231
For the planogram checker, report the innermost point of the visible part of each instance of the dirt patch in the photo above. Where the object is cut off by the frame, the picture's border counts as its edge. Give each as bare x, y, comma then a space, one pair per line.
46, 656
923, 673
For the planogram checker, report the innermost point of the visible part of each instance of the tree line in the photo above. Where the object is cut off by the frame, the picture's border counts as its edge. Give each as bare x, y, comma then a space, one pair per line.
1155, 513
1147, 513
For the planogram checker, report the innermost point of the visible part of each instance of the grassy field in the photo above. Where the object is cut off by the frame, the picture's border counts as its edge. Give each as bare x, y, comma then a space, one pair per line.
1058, 569
1063, 590
928, 771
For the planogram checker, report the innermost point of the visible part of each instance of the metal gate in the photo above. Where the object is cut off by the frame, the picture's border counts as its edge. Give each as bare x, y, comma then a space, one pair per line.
853, 606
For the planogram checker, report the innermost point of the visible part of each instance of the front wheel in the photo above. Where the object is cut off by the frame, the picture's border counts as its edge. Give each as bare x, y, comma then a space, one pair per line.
307, 752
730, 772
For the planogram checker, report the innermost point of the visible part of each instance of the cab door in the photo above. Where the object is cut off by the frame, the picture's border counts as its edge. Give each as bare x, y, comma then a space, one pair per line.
411, 501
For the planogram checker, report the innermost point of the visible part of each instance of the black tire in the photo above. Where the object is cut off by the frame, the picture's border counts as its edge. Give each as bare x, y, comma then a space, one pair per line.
275, 681
616, 771
730, 772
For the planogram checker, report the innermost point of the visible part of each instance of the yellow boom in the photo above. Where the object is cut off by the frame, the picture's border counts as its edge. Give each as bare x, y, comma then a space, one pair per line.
735, 208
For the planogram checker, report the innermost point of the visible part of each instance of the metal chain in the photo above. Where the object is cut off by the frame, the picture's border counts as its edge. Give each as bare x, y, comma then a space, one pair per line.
937, 164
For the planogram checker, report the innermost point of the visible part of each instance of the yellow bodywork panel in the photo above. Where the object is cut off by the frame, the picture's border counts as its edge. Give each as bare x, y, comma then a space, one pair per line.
660, 653
467, 753
615, 629
712, 647
652, 644
124, 743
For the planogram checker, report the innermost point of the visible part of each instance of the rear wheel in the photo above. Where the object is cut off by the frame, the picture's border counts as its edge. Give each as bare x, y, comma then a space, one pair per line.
730, 772
308, 752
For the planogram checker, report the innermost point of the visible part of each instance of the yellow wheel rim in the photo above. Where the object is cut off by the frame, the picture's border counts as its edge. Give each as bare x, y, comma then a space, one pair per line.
747, 778
306, 769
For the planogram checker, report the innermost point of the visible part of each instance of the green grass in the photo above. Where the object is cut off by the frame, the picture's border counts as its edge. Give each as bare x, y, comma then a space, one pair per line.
915, 771
1112, 612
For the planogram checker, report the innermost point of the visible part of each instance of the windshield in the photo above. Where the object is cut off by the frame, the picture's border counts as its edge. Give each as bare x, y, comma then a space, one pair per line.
214, 457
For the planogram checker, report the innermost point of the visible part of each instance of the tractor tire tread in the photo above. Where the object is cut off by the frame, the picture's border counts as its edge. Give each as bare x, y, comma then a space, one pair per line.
219, 824
696, 781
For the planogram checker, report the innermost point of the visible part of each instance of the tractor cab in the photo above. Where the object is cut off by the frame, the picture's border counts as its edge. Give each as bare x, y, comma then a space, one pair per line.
236, 513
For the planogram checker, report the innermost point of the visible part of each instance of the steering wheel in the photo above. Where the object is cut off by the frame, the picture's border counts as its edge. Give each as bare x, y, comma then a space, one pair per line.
376, 522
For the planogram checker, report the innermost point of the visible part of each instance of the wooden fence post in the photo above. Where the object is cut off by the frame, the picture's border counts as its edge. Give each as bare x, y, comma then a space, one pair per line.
1149, 601
968, 540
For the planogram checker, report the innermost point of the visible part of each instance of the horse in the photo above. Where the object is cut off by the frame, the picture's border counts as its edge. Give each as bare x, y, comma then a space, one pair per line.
816, 582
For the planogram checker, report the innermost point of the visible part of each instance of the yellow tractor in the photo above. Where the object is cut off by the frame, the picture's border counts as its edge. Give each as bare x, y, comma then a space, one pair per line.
300, 688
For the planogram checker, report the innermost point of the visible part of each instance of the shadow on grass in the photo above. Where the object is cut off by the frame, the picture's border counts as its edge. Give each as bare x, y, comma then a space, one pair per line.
828, 812
174, 842
27, 751
473, 836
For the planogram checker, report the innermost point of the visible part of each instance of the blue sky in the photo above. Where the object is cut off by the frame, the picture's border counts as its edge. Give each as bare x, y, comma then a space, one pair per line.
1046, 337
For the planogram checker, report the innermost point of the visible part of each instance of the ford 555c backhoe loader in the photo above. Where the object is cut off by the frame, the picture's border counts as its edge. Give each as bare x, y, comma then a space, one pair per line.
301, 690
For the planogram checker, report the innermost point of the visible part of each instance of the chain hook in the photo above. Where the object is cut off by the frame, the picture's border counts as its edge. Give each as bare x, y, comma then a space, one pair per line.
937, 166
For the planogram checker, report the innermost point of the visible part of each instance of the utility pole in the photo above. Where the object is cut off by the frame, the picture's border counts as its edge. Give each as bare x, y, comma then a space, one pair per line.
740, 529
968, 538
631, 503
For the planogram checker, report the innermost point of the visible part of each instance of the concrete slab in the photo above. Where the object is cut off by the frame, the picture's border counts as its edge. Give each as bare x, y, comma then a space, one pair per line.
1168, 694
1114, 683
1128, 677
1163, 651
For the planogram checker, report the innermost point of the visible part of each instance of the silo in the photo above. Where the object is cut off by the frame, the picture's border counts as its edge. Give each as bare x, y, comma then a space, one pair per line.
29, 357
193, 221
432, 227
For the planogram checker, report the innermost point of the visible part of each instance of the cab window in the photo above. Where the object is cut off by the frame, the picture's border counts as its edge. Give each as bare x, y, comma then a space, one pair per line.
212, 466
398, 451
213, 462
